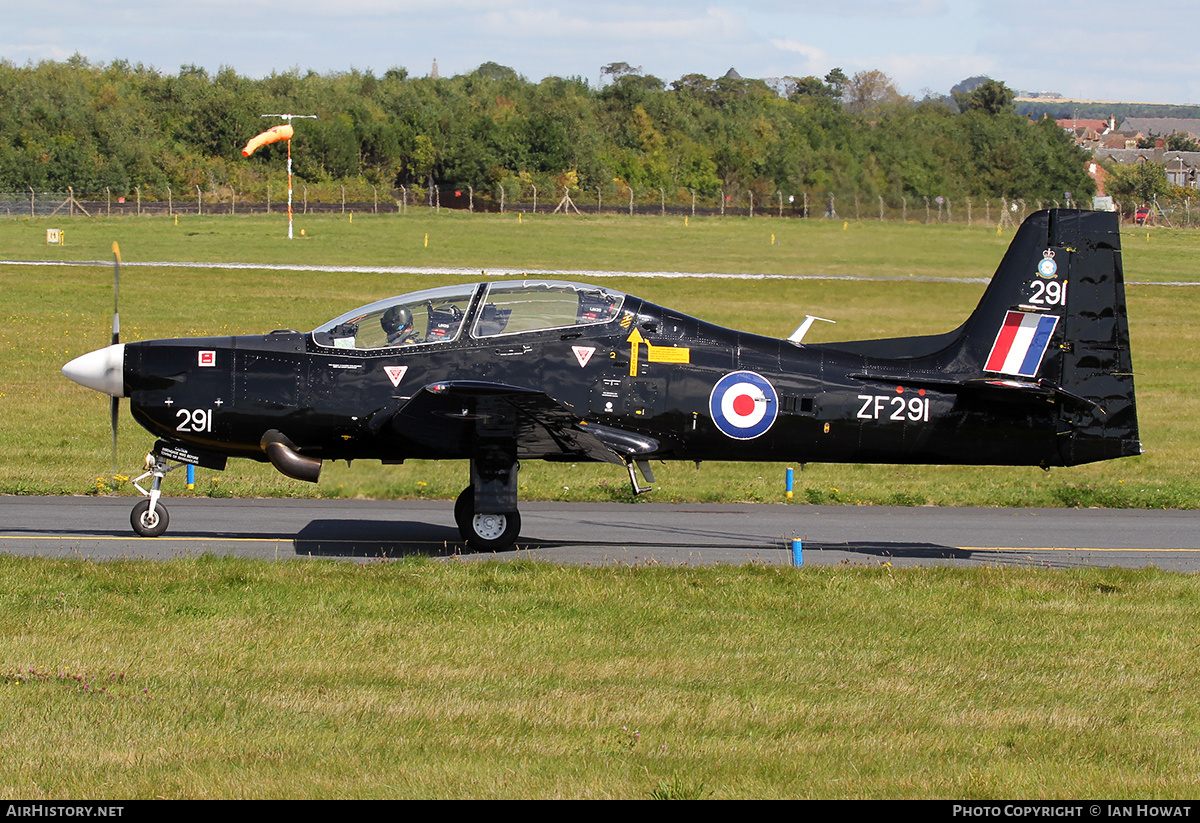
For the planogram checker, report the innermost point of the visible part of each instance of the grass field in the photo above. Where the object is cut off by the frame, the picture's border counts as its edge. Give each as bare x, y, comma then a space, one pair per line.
225, 678
54, 435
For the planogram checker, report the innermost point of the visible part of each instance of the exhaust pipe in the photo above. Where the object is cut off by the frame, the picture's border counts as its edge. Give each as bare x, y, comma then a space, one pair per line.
284, 457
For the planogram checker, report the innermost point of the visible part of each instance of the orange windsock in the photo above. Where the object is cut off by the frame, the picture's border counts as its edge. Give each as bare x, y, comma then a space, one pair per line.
267, 137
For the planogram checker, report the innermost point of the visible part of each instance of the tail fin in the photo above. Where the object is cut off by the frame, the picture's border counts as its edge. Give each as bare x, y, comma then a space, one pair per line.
1053, 321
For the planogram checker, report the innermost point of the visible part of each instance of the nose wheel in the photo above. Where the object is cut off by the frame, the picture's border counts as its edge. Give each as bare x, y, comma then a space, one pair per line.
149, 517
149, 523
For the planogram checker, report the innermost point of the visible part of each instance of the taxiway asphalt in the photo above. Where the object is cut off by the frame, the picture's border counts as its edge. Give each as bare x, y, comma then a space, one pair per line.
613, 533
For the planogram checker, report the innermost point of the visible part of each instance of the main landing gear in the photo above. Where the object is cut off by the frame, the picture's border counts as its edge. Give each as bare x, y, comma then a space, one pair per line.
492, 532
486, 511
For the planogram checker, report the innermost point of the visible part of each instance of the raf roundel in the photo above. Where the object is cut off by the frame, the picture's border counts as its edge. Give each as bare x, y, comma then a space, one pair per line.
743, 405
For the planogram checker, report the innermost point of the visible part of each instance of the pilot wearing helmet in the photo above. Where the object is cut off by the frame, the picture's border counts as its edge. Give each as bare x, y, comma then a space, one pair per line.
397, 323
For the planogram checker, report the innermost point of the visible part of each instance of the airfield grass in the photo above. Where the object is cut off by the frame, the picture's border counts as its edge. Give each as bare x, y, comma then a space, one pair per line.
225, 678
54, 435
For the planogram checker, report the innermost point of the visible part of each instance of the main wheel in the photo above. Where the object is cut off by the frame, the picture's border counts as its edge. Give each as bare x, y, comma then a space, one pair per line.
485, 532
147, 523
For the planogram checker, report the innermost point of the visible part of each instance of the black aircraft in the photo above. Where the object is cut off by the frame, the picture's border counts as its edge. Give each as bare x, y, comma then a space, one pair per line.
497, 373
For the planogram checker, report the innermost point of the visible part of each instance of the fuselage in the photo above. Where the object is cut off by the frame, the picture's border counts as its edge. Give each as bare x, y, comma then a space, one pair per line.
702, 392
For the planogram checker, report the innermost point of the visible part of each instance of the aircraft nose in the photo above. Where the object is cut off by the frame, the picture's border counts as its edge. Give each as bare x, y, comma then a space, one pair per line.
102, 370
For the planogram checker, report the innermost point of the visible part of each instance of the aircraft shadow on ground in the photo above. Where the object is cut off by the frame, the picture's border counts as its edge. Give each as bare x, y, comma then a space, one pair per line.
402, 538
376, 538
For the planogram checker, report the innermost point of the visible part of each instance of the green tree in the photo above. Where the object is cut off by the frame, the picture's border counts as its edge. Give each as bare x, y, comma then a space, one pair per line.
1182, 141
871, 90
990, 97
1136, 184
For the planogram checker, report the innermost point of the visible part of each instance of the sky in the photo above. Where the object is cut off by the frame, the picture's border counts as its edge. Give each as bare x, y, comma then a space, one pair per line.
1097, 50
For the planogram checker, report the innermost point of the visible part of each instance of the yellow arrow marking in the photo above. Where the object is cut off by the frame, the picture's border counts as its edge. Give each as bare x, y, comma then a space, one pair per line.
635, 339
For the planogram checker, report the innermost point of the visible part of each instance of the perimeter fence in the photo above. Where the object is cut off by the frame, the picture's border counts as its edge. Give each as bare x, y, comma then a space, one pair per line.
528, 200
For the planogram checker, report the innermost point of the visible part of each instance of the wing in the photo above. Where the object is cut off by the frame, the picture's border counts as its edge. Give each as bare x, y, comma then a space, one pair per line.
458, 417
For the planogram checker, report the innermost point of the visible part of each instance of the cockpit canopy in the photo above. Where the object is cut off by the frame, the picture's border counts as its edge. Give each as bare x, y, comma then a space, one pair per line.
480, 310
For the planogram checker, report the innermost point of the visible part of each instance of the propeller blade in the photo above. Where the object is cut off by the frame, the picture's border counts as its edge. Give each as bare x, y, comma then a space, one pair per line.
116, 409
116, 338
116, 326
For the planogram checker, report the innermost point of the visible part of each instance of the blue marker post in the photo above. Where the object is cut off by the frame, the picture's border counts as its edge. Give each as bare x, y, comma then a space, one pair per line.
191, 476
797, 553
788, 484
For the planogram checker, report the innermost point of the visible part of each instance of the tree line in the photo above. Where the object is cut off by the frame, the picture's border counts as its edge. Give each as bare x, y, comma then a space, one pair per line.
116, 127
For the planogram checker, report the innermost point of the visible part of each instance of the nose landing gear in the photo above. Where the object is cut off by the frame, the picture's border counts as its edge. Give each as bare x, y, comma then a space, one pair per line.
149, 517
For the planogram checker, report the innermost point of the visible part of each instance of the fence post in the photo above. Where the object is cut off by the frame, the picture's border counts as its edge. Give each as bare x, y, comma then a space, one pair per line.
199, 201
534, 197
662, 202
722, 202
470, 199
779, 194
599, 202
375, 197
693, 202
631, 201
343, 199
751, 202
268, 198
881, 208
31, 202
70, 202
306, 198
502, 198
107, 202
968, 212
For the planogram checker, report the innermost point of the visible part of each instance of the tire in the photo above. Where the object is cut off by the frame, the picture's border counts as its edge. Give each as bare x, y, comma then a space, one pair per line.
147, 524
463, 510
485, 532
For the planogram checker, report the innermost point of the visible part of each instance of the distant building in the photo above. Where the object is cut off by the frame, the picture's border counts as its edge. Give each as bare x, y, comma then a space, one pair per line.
1183, 167
1163, 126
1097, 173
1086, 132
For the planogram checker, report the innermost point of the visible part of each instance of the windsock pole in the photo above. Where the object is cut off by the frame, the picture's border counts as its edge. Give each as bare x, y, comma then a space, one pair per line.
276, 134
289, 142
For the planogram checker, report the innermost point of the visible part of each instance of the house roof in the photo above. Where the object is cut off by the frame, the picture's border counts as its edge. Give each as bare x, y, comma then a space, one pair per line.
1189, 159
1098, 126
1162, 125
